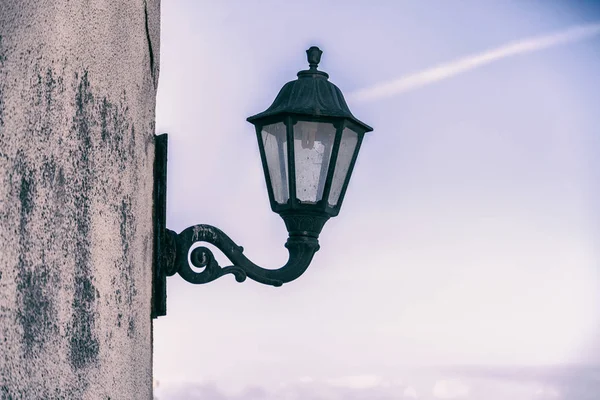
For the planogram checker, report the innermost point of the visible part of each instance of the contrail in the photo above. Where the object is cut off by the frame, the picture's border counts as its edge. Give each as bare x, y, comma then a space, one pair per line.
465, 64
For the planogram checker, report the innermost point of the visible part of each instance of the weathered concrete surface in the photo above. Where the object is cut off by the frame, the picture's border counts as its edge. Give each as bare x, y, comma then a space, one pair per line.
77, 97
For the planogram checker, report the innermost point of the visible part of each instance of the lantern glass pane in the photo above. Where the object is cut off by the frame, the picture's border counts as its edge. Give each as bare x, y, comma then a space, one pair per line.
342, 164
313, 142
274, 141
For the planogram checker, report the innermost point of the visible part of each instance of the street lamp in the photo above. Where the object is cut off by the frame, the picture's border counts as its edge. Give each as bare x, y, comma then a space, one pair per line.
308, 141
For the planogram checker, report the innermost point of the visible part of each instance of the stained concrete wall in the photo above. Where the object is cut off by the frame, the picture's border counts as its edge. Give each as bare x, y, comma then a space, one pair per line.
78, 85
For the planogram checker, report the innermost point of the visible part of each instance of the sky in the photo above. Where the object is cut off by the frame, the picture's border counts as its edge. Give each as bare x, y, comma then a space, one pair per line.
464, 262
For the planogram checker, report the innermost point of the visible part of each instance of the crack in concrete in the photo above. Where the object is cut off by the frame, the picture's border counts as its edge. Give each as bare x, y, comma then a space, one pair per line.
150, 51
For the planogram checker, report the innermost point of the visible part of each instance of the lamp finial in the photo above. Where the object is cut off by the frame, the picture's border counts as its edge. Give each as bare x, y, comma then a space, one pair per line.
314, 57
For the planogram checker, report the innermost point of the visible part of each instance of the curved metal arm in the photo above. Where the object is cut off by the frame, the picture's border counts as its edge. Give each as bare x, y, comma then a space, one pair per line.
172, 251
301, 251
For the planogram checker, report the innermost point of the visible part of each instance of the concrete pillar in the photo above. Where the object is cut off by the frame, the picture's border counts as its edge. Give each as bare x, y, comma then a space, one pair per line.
77, 96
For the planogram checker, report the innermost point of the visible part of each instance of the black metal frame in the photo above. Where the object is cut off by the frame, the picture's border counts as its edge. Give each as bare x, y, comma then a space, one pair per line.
310, 98
162, 257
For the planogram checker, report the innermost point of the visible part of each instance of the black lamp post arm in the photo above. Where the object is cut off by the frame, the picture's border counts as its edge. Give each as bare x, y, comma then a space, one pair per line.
301, 251
172, 250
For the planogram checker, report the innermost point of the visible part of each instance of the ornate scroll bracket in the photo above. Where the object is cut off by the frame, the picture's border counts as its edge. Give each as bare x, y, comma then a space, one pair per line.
198, 265
174, 253
202, 257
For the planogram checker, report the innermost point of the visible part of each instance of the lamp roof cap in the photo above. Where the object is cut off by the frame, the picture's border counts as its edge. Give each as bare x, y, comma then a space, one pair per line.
310, 95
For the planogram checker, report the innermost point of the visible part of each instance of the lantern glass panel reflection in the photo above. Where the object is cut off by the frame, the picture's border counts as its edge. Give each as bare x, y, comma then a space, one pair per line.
342, 164
313, 142
274, 141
